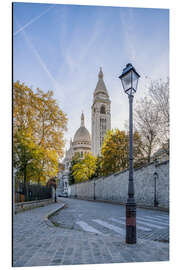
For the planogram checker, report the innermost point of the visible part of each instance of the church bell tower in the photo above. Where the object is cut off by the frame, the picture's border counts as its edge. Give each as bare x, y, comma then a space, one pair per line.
100, 114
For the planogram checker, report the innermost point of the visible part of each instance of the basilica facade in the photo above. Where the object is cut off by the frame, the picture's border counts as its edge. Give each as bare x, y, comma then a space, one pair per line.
83, 142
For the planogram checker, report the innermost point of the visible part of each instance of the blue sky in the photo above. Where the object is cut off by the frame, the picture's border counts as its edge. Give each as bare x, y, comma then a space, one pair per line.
61, 47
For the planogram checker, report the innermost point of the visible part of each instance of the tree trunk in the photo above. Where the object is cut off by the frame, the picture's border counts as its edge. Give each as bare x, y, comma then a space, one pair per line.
25, 185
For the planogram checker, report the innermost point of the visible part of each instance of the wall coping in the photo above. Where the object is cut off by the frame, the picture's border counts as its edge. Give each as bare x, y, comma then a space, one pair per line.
23, 206
118, 173
31, 202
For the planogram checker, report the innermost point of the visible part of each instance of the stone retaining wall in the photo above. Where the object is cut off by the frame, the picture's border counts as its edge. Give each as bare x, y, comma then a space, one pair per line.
22, 206
115, 187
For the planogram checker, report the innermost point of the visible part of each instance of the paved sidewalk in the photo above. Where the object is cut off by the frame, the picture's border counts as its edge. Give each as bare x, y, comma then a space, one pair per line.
37, 244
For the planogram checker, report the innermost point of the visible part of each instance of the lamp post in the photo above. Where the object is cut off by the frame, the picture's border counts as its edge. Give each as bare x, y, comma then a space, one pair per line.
155, 182
94, 190
155, 199
55, 198
129, 79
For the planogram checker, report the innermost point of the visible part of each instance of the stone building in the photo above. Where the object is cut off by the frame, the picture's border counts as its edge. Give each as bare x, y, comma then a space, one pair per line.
100, 123
100, 115
82, 142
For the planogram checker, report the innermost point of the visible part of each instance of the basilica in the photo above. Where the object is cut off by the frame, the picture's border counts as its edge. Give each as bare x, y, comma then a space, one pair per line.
83, 142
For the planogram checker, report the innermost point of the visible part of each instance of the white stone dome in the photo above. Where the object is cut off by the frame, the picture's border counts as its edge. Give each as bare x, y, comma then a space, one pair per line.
82, 135
82, 138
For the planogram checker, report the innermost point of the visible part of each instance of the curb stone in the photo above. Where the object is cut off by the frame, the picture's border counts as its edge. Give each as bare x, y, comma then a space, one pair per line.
53, 212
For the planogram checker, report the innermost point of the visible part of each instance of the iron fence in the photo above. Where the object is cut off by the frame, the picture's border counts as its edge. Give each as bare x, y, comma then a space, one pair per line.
32, 192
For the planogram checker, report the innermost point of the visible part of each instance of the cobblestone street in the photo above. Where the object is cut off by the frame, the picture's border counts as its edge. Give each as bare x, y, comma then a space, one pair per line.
87, 232
104, 218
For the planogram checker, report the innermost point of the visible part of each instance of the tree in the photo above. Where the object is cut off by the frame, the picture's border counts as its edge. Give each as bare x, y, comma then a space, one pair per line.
38, 130
98, 172
146, 120
50, 131
152, 118
51, 122
26, 158
115, 151
159, 93
75, 159
85, 168
25, 151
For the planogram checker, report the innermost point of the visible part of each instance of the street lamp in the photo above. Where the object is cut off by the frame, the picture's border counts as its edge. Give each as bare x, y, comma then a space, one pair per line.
55, 198
155, 182
129, 79
155, 199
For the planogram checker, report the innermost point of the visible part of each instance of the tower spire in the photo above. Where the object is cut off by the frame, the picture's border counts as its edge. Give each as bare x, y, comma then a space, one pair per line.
82, 119
100, 75
100, 84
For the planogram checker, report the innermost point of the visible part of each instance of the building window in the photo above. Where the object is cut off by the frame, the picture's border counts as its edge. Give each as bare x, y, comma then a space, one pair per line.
81, 154
102, 130
102, 110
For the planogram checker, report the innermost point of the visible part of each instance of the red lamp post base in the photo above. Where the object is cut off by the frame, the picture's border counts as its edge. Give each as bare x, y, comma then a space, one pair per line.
131, 223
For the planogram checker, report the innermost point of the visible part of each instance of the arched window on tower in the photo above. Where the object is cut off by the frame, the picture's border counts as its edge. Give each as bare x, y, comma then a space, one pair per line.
103, 110
102, 130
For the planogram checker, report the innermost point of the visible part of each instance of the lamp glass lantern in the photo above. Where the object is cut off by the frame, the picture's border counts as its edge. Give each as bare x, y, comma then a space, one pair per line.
129, 79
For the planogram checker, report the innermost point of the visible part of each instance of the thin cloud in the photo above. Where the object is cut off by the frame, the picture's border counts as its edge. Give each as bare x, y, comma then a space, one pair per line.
75, 58
127, 26
32, 21
41, 62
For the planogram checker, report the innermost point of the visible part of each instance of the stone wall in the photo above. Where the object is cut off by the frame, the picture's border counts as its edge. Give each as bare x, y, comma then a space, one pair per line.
22, 206
115, 187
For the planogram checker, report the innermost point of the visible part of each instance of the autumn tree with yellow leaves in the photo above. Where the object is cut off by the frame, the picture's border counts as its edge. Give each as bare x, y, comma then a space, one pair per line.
38, 133
115, 151
75, 159
85, 168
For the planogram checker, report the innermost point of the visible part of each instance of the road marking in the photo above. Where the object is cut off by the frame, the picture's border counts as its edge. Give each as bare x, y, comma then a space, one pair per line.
159, 219
162, 215
87, 227
123, 222
148, 224
155, 221
109, 226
